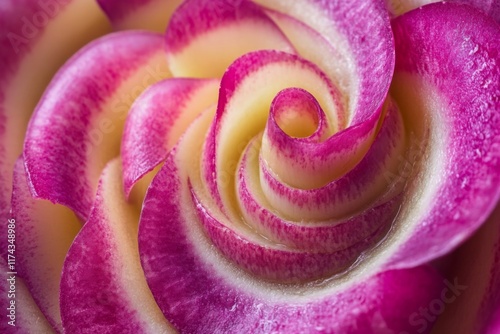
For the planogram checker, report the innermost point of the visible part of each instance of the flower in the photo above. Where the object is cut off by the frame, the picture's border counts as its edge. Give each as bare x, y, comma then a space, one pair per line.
254, 166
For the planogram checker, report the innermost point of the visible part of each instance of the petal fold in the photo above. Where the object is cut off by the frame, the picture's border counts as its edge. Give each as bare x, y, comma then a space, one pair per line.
78, 124
453, 108
139, 14
44, 233
205, 37
36, 38
156, 121
103, 287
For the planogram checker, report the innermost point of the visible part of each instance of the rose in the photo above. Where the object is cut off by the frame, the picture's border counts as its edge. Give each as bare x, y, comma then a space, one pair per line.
373, 305
100, 298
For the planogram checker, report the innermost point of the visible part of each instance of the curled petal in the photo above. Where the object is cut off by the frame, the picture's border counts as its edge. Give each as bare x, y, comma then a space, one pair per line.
78, 124
324, 236
205, 37
360, 32
343, 196
44, 233
277, 262
360, 115
199, 291
35, 40
233, 127
101, 265
457, 180
156, 121
272, 85
399, 7
329, 55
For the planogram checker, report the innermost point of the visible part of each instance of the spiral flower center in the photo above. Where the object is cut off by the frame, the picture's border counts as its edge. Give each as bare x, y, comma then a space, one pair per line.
297, 113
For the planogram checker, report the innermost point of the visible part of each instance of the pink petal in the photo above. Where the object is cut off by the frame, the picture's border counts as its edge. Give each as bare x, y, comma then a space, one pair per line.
278, 263
262, 75
341, 196
78, 124
205, 37
35, 40
454, 107
367, 94
102, 287
322, 236
44, 233
361, 35
156, 121
399, 7
197, 285
199, 291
